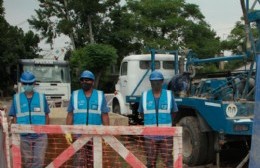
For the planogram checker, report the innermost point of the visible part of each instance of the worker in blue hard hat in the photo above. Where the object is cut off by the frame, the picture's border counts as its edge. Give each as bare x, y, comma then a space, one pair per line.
87, 106
31, 107
158, 108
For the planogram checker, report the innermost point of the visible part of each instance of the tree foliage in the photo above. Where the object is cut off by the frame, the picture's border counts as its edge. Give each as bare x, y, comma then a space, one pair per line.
236, 43
130, 28
49, 19
94, 57
14, 45
81, 20
236, 39
1, 9
172, 24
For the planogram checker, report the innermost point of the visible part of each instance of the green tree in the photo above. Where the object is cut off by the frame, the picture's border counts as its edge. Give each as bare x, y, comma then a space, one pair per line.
94, 57
132, 28
236, 39
236, 43
52, 19
91, 14
14, 45
1, 9
172, 24
119, 32
79, 19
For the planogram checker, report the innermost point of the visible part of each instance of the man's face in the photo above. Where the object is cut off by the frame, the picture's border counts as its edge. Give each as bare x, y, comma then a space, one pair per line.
156, 85
86, 83
28, 87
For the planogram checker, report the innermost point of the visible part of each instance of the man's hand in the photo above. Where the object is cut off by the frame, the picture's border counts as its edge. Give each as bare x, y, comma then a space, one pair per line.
68, 138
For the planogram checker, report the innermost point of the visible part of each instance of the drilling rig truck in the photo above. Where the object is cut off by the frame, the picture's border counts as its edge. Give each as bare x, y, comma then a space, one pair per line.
216, 110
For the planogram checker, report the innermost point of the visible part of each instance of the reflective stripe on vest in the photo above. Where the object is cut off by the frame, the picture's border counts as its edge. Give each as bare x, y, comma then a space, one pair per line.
164, 109
80, 108
35, 109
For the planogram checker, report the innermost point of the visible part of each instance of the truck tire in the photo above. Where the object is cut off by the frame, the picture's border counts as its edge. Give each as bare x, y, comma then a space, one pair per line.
194, 142
116, 109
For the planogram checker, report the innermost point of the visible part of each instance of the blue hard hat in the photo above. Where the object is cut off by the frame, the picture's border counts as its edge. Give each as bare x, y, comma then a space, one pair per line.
27, 77
156, 75
87, 74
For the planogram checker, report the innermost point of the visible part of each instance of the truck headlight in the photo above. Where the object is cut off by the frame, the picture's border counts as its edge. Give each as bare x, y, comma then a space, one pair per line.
231, 110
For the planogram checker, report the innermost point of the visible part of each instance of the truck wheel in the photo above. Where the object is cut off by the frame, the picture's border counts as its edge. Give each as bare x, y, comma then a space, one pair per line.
116, 109
194, 142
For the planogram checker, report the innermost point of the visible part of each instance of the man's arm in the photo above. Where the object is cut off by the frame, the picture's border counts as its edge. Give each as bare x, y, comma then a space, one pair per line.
105, 118
70, 109
47, 119
69, 118
13, 120
104, 111
47, 111
12, 113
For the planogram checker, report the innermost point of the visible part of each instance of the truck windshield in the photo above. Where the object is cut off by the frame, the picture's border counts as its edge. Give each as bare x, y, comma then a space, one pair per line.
49, 73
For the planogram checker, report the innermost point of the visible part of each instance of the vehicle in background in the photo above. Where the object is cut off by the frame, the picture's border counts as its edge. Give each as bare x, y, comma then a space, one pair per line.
215, 109
134, 79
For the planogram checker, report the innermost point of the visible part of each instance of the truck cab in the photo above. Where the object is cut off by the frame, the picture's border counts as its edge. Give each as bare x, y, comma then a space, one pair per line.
134, 79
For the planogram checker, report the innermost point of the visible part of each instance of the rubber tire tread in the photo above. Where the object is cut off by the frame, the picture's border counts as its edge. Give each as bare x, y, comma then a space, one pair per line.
199, 141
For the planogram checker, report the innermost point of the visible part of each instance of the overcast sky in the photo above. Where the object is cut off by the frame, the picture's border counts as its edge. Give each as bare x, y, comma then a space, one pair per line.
18, 11
221, 15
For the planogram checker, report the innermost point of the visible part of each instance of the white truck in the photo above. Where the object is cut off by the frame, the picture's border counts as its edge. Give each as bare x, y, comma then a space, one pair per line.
134, 79
52, 77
